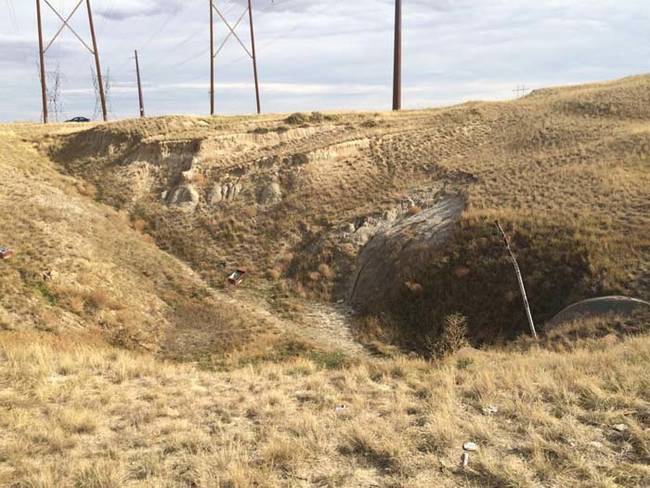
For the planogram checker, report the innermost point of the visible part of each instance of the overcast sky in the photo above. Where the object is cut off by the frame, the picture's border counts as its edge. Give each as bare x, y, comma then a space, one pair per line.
318, 54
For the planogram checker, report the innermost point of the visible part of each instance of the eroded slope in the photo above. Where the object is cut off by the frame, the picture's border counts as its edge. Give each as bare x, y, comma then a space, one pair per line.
295, 200
83, 266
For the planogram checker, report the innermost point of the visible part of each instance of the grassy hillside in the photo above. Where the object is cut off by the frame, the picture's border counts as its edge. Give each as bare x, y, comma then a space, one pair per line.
127, 360
295, 199
83, 266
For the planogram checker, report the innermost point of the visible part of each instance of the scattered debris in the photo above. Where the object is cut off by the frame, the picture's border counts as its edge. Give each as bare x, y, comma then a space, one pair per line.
48, 275
340, 408
620, 427
237, 277
470, 447
464, 459
596, 444
6, 253
490, 410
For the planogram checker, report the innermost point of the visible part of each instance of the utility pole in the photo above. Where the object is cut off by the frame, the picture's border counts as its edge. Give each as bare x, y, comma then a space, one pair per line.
397, 68
137, 71
521, 90
65, 22
250, 52
41, 54
102, 95
212, 55
257, 83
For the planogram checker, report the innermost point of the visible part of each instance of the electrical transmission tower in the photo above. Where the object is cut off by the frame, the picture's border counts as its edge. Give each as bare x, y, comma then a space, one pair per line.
521, 90
214, 52
43, 49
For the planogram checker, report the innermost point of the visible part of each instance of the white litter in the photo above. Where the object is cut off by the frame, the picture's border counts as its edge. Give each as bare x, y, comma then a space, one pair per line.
470, 447
490, 410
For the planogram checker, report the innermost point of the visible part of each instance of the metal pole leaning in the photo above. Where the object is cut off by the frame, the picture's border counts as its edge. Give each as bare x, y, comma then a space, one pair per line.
100, 82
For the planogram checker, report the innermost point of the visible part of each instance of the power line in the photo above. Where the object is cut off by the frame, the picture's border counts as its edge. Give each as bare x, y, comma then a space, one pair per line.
127, 61
65, 24
252, 53
106, 16
12, 15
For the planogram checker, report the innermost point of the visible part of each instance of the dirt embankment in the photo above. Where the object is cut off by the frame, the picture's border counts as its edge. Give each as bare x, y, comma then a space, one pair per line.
311, 204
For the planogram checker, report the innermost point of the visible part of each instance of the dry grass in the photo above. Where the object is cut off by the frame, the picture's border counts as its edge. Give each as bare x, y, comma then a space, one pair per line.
249, 402
574, 157
82, 265
76, 414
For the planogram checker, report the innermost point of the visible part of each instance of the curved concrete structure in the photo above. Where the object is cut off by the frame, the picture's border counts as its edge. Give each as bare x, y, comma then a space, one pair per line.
596, 307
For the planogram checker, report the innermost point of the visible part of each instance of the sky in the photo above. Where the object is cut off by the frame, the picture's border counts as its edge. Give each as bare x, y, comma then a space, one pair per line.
317, 54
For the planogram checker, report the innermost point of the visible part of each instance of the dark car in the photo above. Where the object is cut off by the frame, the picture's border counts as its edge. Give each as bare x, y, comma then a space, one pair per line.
79, 119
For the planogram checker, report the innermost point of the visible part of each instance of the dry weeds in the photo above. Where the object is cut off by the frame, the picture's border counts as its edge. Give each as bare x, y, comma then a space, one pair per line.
77, 414
573, 157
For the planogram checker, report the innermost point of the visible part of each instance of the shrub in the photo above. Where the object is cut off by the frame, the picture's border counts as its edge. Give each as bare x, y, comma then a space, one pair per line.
299, 159
370, 124
297, 119
330, 360
452, 337
317, 118
139, 224
326, 272
99, 299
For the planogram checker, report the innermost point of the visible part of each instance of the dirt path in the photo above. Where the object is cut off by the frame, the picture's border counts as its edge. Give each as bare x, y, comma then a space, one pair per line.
327, 325
331, 324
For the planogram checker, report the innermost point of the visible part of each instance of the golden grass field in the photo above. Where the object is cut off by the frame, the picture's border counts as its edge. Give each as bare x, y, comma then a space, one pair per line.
126, 359
78, 414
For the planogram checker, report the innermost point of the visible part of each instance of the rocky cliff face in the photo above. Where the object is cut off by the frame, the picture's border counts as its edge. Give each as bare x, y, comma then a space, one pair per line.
395, 250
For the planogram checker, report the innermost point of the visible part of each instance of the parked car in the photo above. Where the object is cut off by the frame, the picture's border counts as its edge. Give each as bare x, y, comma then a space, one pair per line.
79, 119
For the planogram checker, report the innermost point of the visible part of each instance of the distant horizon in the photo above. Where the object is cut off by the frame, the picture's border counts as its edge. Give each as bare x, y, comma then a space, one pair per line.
343, 110
324, 59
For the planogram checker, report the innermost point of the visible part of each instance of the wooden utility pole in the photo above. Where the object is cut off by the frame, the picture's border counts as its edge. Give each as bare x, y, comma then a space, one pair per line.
41, 53
65, 23
397, 67
212, 55
100, 82
232, 33
520, 279
137, 71
257, 83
